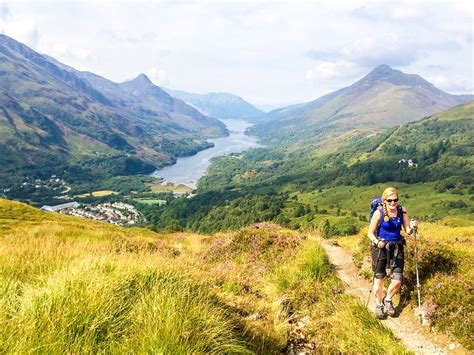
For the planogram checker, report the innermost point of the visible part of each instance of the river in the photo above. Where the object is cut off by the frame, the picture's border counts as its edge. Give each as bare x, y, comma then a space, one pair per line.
188, 170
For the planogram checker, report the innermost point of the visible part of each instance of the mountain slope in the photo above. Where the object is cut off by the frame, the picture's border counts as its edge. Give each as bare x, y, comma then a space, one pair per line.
75, 285
441, 148
50, 117
382, 99
219, 105
180, 113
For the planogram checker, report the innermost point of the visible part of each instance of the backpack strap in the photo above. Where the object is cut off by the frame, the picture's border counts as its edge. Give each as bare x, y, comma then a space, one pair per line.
380, 208
399, 211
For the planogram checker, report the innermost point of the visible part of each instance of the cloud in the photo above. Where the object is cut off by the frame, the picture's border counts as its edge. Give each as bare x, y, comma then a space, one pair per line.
365, 54
392, 12
385, 49
158, 76
23, 30
266, 51
330, 70
138, 39
70, 54
4, 11
318, 54
453, 84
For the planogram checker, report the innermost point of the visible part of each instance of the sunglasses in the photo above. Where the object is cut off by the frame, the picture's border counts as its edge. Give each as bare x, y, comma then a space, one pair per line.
390, 200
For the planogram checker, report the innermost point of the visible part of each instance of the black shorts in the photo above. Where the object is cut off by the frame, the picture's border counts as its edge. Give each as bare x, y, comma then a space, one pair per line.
396, 261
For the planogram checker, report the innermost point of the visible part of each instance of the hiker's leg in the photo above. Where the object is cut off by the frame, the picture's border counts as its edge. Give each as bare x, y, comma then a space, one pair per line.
379, 260
378, 290
394, 288
397, 273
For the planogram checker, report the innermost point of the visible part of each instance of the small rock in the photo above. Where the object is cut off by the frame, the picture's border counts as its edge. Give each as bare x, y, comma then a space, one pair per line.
452, 346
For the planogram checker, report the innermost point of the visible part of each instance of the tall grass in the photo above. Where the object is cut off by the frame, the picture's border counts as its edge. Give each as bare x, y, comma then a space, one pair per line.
340, 323
445, 265
76, 286
351, 328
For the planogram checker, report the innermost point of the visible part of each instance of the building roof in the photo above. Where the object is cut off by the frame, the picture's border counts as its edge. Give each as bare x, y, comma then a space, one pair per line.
60, 207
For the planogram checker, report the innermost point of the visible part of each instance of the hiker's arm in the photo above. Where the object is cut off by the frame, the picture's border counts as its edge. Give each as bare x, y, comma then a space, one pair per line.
374, 222
408, 224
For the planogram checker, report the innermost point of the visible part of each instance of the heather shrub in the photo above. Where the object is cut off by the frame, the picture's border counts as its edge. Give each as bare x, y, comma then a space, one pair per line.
265, 242
449, 305
433, 258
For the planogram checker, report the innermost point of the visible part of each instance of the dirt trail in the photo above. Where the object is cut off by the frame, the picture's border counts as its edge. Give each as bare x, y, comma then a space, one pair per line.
405, 327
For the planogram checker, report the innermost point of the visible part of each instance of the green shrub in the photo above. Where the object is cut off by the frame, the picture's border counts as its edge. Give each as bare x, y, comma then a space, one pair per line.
433, 258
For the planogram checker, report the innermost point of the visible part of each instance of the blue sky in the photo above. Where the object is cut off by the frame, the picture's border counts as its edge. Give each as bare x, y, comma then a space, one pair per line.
270, 53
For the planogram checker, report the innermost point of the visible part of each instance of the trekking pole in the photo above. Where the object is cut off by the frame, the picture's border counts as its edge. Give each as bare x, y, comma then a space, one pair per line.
418, 286
373, 279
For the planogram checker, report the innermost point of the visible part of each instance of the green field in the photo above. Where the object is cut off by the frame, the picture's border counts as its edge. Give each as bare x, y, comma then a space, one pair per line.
151, 201
421, 200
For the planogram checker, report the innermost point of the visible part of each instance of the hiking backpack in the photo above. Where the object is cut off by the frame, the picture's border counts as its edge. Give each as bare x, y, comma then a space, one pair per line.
375, 205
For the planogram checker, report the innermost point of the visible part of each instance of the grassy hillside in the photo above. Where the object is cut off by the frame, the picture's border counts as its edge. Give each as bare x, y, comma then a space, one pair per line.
302, 188
445, 261
71, 285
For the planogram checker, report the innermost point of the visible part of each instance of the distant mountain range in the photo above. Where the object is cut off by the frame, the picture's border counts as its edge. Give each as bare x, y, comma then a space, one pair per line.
52, 114
383, 98
219, 105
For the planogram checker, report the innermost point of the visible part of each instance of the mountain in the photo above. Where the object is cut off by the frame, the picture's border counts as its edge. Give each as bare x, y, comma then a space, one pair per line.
383, 98
219, 105
159, 100
141, 94
52, 115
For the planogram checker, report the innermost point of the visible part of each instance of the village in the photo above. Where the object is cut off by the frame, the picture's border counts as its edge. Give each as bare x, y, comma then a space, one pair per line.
55, 187
119, 213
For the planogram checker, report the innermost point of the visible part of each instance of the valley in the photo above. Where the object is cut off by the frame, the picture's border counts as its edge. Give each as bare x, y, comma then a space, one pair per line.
214, 240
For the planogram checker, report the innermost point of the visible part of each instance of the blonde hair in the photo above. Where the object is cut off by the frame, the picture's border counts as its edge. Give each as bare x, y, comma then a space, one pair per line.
386, 193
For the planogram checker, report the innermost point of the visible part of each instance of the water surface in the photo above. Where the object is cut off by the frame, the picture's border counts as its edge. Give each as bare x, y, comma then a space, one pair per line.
189, 170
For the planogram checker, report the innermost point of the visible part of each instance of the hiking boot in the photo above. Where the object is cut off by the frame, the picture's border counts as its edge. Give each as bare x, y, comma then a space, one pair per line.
389, 306
379, 313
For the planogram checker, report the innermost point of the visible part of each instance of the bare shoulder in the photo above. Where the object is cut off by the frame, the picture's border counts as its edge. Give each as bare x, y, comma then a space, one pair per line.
404, 210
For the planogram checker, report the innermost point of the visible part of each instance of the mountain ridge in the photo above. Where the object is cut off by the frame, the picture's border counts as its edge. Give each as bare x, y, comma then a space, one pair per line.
381, 99
221, 105
50, 112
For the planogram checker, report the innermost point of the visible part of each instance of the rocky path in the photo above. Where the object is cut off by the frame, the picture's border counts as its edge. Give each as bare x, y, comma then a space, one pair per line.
405, 327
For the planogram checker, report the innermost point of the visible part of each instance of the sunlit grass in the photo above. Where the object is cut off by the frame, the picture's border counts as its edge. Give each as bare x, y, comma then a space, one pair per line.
445, 263
77, 286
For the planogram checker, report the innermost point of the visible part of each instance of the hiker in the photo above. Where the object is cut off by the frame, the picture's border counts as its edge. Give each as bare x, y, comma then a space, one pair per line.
387, 248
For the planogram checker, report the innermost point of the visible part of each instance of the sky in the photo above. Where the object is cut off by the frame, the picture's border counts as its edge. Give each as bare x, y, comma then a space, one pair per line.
271, 53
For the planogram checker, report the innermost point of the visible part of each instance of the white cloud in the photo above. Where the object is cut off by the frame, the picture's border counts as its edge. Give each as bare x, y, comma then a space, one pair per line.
405, 12
23, 30
267, 52
330, 70
4, 11
158, 76
63, 52
453, 84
